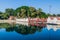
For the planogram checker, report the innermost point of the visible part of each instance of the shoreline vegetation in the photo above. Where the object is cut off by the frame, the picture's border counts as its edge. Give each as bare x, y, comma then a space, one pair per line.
24, 12
20, 13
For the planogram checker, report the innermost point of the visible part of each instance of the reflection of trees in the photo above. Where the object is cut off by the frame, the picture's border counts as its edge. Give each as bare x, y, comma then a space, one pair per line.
10, 29
22, 29
7, 26
27, 30
4, 25
39, 29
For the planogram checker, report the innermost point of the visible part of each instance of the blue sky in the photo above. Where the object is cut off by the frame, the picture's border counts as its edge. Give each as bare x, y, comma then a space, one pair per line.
44, 4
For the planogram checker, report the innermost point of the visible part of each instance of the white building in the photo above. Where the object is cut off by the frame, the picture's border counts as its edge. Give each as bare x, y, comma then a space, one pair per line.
23, 21
53, 20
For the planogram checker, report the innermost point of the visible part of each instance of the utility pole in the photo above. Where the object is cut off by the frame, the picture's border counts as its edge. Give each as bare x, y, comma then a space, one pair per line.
50, 9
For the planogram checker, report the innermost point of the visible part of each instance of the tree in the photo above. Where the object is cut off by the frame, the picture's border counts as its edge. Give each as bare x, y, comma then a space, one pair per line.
5, 16
33, 15
10, 11
58, 15
43, 15
23, 11
54, 15
1, 14
39, 12
32, 11
49, 14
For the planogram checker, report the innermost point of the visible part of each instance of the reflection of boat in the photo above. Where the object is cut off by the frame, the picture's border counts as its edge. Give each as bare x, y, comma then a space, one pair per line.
54, 27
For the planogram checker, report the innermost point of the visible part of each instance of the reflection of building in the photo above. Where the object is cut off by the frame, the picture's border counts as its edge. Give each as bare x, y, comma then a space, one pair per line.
54, 27
23, 23
53, 20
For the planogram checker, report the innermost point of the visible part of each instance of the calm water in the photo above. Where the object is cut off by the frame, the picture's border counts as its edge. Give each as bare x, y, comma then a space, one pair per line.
21, 32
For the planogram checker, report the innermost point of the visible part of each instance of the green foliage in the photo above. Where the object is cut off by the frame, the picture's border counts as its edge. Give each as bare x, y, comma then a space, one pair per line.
4, 25
53, 15
21, 29
5, 16
43, 15
49, 14
24, 12
58, 15
10, 11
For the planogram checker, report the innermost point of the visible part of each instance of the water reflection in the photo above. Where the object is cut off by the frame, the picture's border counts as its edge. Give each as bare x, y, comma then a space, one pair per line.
24, 29
21, 29
7, 26
24, 32
54, 27
10, 29
27, 30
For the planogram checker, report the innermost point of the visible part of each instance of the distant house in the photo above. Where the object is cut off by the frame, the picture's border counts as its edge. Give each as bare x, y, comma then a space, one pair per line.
53, 20
11, 18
